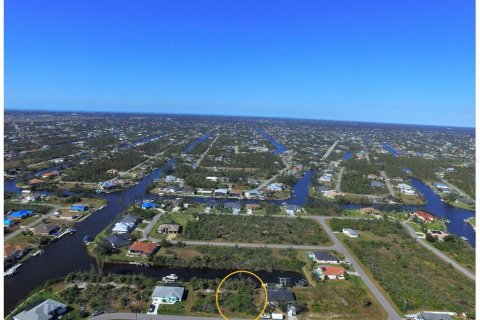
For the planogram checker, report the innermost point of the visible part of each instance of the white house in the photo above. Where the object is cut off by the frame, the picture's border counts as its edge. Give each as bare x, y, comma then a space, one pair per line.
121, 227
350, 232
291, 209
167, 295
48, 309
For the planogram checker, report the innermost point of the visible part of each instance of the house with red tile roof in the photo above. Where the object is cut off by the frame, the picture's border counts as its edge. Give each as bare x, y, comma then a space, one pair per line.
424, 216
330, 272
142, 248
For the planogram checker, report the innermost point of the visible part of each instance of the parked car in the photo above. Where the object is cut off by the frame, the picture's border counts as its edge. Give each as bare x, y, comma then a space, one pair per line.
152, 307
96, 313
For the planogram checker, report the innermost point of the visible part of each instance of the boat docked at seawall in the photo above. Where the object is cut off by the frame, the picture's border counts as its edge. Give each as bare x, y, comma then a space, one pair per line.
10, 272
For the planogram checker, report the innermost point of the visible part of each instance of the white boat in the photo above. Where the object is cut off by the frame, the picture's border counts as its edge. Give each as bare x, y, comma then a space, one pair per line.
102, 207
170, 278
10, 272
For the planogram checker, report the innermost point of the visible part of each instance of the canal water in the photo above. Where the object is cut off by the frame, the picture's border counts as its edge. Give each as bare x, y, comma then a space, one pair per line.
390, 149
278, 147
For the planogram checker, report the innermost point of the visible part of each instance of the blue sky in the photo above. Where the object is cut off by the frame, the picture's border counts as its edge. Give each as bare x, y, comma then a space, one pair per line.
399, 61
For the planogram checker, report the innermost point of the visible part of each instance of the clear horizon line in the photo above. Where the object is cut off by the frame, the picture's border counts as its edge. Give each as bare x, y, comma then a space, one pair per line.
233, 116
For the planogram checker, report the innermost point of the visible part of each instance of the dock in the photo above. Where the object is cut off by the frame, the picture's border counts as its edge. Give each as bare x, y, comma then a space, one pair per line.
10, 272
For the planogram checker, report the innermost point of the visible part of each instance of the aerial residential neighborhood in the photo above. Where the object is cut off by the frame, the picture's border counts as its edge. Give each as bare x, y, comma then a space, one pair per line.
297, 160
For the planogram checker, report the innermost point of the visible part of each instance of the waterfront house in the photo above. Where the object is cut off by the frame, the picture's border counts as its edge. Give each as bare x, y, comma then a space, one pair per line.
167, 295
369, 211
121, 228
234, 207
204, 192
292, 209
35, 181
330, 272
423, 215
170, 179
325, 178
106, 185
276, 187
323, 257
236, 193
45, 229
252, 194
117, 241
48, 309
252, 206
20, 214
188, 191
15, 251
79, 207
142, 248
69, 215
220, 192
465, 201
276, 296
350, 232
169, 228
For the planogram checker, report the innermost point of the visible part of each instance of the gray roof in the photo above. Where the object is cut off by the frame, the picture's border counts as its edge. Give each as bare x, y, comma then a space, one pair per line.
435, 316
325, 256
117, 241
45, 228
44, 311
276, 295
130, 219
164, 291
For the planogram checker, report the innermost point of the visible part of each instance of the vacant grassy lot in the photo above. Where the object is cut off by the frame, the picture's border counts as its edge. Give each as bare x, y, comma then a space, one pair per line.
229, 258
257, 229
457, 249
415, 278
340, 300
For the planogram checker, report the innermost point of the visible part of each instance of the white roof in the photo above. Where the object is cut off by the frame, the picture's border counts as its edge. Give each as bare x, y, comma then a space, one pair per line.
164, 291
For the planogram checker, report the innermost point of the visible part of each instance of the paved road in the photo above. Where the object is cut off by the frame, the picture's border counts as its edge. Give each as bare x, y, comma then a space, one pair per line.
325, 156
392, 314
266, 182
208, 150
339, 179
251, 245
150, 225
387, 183
35, 222
438, 253
142, 316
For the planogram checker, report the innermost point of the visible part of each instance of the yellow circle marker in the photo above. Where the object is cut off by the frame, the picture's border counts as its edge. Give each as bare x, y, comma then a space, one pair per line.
264, 286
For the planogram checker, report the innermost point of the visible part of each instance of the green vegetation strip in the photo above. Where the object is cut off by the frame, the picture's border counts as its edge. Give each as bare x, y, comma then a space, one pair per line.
256, 229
